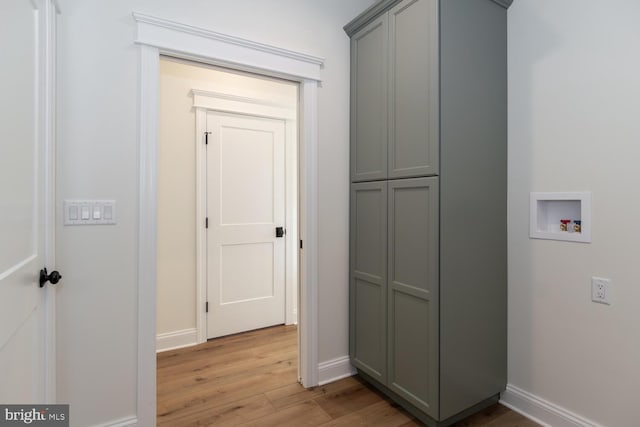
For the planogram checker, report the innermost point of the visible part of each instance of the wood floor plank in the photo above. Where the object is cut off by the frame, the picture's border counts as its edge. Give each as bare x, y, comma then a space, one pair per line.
222, 374
307, 413
251, 379
413, 423
213, 396
484, 417
292, 394
348, 400
230, 414
510, 418
380, 414
229, 350
226, 345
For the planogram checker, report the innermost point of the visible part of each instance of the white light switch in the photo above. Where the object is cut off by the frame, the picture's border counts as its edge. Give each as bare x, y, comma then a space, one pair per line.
73, 212
89, 212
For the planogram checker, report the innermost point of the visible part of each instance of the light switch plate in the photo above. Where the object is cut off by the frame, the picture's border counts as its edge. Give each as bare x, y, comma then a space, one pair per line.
98, 212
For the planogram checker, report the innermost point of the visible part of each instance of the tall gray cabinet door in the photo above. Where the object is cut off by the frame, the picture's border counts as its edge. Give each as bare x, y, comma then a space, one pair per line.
413, 291
368, 271
413, 89
369, 102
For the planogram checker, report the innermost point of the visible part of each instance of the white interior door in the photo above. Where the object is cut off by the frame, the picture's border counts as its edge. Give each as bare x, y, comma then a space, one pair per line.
23, 198
245, 204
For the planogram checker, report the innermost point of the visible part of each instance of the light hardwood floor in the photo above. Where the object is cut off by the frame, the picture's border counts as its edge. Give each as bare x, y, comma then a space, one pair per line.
250, 379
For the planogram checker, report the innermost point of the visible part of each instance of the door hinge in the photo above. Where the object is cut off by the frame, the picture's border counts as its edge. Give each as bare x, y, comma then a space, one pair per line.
300, 243
206, 222
206, 307
206, 138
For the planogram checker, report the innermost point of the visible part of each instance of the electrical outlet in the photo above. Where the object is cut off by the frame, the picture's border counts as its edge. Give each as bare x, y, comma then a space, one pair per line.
601, 290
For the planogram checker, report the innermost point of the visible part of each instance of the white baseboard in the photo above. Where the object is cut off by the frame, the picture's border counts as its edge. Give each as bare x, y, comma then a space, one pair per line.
123, 422
542, 411
334, 369
177, 339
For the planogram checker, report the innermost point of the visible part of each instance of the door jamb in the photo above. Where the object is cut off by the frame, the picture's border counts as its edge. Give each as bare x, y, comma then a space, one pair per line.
47, 11
204, 102
155, 37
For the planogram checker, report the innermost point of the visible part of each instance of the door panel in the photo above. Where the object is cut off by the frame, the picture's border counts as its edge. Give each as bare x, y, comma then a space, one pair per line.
369, 102
18, 135
18, 357
410, 319
370, 326
238, 283
22, 190
245, 203
247, 176
412, 239
413, 291
413, 89
368, 271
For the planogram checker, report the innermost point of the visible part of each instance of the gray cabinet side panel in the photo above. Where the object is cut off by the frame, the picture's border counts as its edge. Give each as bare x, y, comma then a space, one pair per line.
368, 278
473, 226
413, 291
413, 89
369, 102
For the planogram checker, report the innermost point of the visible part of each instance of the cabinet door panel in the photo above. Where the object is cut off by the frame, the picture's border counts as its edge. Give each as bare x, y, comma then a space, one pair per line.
413, 89
368, 339
368, 278
411, 344
413, 291
369, 102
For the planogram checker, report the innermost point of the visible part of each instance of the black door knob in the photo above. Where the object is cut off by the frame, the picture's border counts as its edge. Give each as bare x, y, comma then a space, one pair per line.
280, 231
54, 277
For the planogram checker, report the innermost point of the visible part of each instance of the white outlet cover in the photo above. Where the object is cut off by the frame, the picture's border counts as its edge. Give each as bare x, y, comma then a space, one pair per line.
601, 290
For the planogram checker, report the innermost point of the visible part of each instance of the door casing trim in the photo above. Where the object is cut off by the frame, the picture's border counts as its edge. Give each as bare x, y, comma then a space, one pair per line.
155, 37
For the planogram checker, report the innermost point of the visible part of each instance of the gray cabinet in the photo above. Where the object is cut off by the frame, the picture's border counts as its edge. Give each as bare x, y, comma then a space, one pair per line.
428, 228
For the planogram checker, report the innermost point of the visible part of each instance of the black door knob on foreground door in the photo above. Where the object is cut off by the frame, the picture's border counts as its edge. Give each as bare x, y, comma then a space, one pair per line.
54, 277
279, 231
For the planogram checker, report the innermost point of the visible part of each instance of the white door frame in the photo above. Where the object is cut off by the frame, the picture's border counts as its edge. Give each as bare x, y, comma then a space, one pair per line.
155, 37
203, 102
47, 11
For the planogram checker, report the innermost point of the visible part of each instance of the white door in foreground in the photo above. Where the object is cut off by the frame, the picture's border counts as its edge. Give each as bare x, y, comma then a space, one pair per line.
22, 220
245, 206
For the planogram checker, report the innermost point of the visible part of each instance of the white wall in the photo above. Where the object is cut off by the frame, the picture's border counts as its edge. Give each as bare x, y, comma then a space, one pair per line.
177, 179
574, 124
97, 158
